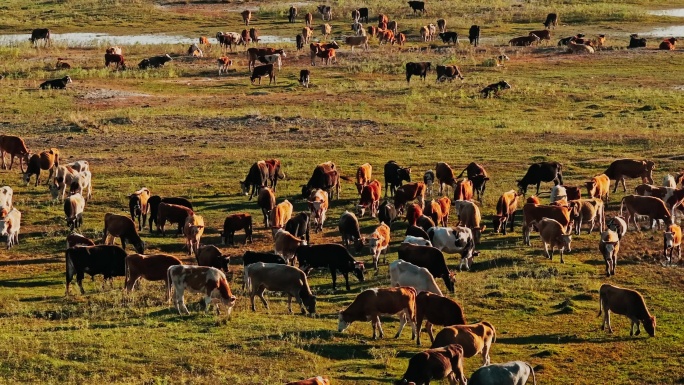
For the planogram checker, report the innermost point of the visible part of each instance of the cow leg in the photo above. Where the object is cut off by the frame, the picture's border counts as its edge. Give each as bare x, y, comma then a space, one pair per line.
376, 324
624, 187
79, 281
526, 235
402, 321
346, 279
561, 253
546, 251
485, 354
614, 264
538, 185
260, 293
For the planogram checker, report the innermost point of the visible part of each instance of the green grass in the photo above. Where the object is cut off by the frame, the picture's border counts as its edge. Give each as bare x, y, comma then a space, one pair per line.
182, 131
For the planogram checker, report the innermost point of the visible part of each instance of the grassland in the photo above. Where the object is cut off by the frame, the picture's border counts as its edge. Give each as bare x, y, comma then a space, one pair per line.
182, 131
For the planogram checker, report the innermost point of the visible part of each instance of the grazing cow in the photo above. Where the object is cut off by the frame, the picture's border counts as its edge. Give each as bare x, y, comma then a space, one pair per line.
193, 229
150, 267
580, 48
589, 210
266, 200
357, 41
474, 35
46, 160
75, 240
318, 380
308, 19
630, 168
280, 214
618, 225
332, 256
118, 60
195, 51
470, 217
441, 24
370, 197
404, 273
154, 62
138, 205
275, 172
286, 244
393, 26
625, 302
64, 176
448, 73
318, 206
437, 310
327, 55
246, 16
413, 212
41, 34
325, 11
553, 234
494, 89
429, 179
418, 69
379, 242
299, 226
387, 213
653, 207
229, 39
425, 222
292, 14
429, 258
509, 373
325, 177
455, 240
210, 255
363, 176
533, 213
372, 31
372, 303
321, 50
609, 247
409, 192
542, 35
463, 190
419, 239
541, 172
475, 339
73, 210
350, 231
599, 187
82, 183
636, 42
59, 84
15, 147
435, 364
417, 6
223, 63
10, 224
363, 14
448, 37
153, 206
6, 194
254, 35
173, 214
326, 30
552, 20
394, 176
116, 225
276, 277
478, 175
668, 44
383, 19
505, 211
672, 239
524, 41
300, 42
432, 210
261, 71
108, 260
203, 279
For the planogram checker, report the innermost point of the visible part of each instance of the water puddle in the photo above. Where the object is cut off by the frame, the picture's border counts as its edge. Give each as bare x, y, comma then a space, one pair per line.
677, 12
87, 39
673, 30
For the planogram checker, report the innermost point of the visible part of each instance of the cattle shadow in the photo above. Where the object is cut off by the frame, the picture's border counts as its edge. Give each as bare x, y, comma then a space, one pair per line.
557, 339
368, 380
340, 351
496, 263
19, 283
24, 262
601, 262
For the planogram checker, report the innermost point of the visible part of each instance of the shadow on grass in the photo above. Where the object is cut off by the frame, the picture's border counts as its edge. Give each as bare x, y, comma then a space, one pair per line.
557, 339
24, 283
340, 351
496, 263
36, 261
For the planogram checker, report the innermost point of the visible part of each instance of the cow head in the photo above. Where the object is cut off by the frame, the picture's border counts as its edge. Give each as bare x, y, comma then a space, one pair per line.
244, 186
343, 324
54, 188
359, 269
565, 240
310, 304
139, 247
404, 174
306, 191
649, 165
375, 242
591, 188
5, 227
522, 187
497, 221
668, 241
650, 325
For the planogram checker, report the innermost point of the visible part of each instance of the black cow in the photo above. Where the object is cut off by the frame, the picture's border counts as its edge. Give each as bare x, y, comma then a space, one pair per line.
425, 222
154, 62
494, 89
478, 175
108, 260
257, 177
56, 83
112, 58
304, 78
541, 172
416, 231
474, 35
292, 14
448, 72
324, 177
300, 42
299, 226
363, 14
417, 6
636, 42
449, 37
429, 258
40, 34
394, 175
551, 21
259, 71
333, 256
419, 69
350, 231
155, 200
387, 213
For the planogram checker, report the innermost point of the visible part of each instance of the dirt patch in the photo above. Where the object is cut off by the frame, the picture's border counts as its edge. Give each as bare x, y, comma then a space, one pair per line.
102, 93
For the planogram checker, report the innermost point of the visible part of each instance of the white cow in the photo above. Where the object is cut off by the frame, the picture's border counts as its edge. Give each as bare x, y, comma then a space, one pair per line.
455, 240
558, 193
509, 373
273, 59
82, 183
404, 273
416, 241
80, 165
6, 194
73, 210
203, 279
9, 227
669, 181
618, 225
318, 205
64, 176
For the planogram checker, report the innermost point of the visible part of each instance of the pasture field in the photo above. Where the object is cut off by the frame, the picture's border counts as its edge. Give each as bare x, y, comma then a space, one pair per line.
183, 131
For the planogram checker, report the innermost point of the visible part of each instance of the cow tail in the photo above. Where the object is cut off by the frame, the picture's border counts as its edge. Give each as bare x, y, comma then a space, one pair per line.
168, 283
246, 280
534, 379
600, 303
412, 307
69, 268
622, 203
462, 172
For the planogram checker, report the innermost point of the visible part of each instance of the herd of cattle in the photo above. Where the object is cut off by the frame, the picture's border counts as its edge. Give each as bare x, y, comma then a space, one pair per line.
414, 293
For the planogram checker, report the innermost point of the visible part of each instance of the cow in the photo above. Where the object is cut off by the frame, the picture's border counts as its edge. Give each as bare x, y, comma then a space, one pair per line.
645, 205
542, 35
46, 160
73, 210
435, 211
304, 78
254, 35
251, 257
435, 364
116, 225
358, 29
493, 90
363, 176
139, 207
617, 224
378, 242
229, 39
280, 214
413, 212
418, 69
286, 244
266, 200
429, 258
370, 198
470, 217
246, 16
508, 373
599, 187
10, 224
441, 24
15, 147
372, 303
332, 256
308, 19
630, 168
417, 232
154, 62
325, 11
609, 246
193, 229
75, 240
590, 210
325, 177
463, 190
117, 60
552, 20
478, 175
256, 178
394, 176
326, 30
357, 41
475, 339
64, 176
574, 47
108, 260
409, 192
672, 240
448, 73
223, 63
636, 42
417, 6
153, 206
318, 206
558, 193
668, 44
363, 14
41, 34
6, 194
276, 277
318, 380
322, 50
404, 273
533, 213
383, 19
349, 229
299, 226
203, 40
448, 37
437, 310
259, 71
150, 267
115, 50
429, 179
81, 183
387, 213
524, 41
505, 211
553, 234
292, 14
327, 55
669, 181
474, 35
541, 172
59, 84
625, 302
195, 51
393, 26
173, 214
203, 279
455, 240
210, 255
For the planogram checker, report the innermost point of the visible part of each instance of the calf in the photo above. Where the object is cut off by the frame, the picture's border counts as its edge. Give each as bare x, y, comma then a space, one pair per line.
437, 310
387, 213
223, 63
116, 225
475, 339
304, 78
379, 242
493, 90
672, 240
625, 302
233, 223
299, 39
609, 247
154, 201
73, 210
138, 206
418, 69
150, 267
173, 214
193, 230
429, 258
15, 147
203, 279
210, 255
118, 60
551, 21
276, 277
441, 24
630, 168
299, 226
46, 160
325, 177
404, 273
108, 260
64, 176
505, 211
448, 73
333, 256
286, 244
327, 55
280, 214
10, 224
639, 205
435, 212
436, 364
509, 373
59, 84
372, 303
263, 70
553, 234
394, 176
448, 37
541, 172
533, 213
599, 187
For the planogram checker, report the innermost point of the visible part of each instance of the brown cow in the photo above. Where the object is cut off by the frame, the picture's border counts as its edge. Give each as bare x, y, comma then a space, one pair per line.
372, 303
475, 339
413, 212
445, 175
193, 229
625, 302
505, 211
15, 147
280, 214
46, 160
208, 280
233, 223
363, 176
75, 240
173, 214
150, 267
639, 205
469, 216
116, 225
463, 190
285, 244
432, 210
437, 310
435, 364
246, 16
370, 197
308, 19
630, 168
533, 213
267, 202
599, 187
210, 255
407, 193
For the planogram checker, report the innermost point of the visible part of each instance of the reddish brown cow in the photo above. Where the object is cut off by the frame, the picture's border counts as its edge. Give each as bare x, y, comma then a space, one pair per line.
435, 364
372, 303
210, 255
413, 212
599, 187
625, 302
116, 225
233, 223
533, 213
432, 210
463, 190
573, 192
437, 310
505, 210
383, 18
150, 267
267, 202
363, 176
475, 339
173, 214
630, 168
370, 197
15, 147
445, 205
445, 175
668, 44
639, 205
407, 193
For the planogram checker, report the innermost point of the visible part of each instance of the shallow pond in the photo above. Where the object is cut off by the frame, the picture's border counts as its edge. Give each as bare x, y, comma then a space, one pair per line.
87, 39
